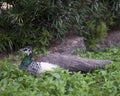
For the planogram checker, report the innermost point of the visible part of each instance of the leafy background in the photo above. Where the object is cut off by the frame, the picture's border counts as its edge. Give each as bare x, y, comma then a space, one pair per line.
40, 23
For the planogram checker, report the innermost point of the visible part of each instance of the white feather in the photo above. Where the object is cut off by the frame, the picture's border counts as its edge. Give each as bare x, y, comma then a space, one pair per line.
45, 66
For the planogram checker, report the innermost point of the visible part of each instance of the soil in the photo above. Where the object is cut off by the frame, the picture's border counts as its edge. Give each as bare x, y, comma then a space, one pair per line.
68, 45
112, 39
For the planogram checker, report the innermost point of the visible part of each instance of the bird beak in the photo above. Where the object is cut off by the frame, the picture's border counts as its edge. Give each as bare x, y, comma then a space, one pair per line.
20, 50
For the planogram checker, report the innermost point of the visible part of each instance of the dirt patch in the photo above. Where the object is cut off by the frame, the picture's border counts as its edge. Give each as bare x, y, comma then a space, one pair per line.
68, 45
112, 39
2, 55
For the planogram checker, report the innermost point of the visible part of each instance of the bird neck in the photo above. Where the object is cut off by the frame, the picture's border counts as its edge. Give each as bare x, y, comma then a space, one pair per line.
27, 60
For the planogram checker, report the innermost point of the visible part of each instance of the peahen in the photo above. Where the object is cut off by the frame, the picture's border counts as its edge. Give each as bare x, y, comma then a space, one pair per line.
51, 61
34, 67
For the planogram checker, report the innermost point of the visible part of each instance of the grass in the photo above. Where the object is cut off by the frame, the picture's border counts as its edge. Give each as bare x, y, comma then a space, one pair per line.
102, 82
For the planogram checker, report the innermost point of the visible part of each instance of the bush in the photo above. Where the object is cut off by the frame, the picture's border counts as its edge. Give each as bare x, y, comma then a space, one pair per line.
38, 23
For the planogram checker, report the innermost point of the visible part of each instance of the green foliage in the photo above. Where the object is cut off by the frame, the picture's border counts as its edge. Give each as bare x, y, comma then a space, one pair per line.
92, 19
96, 32
40, 22
102, 82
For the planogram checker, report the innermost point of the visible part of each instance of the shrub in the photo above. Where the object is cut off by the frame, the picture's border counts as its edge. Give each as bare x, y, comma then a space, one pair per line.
37, 22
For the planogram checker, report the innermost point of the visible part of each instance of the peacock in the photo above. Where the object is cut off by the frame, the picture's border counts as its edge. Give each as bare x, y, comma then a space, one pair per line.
50, 62
34, 68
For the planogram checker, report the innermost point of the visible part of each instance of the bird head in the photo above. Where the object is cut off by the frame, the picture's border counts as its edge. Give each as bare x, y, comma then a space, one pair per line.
27, 50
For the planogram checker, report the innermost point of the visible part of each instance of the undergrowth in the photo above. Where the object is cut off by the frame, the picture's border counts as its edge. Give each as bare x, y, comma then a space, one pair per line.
102, 82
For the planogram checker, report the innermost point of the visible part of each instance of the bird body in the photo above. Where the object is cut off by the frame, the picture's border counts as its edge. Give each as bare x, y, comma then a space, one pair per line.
27, 60
35, 68
74, 63
46, 66
51, 61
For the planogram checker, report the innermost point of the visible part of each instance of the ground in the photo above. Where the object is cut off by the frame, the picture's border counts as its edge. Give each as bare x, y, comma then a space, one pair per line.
112, 39
68, 45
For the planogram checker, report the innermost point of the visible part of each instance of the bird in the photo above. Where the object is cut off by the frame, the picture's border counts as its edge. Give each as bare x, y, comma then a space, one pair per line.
50, 62
34, 68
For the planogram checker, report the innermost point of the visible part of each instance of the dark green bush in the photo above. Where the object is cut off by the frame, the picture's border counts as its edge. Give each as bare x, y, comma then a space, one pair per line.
38, 22
92, 19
